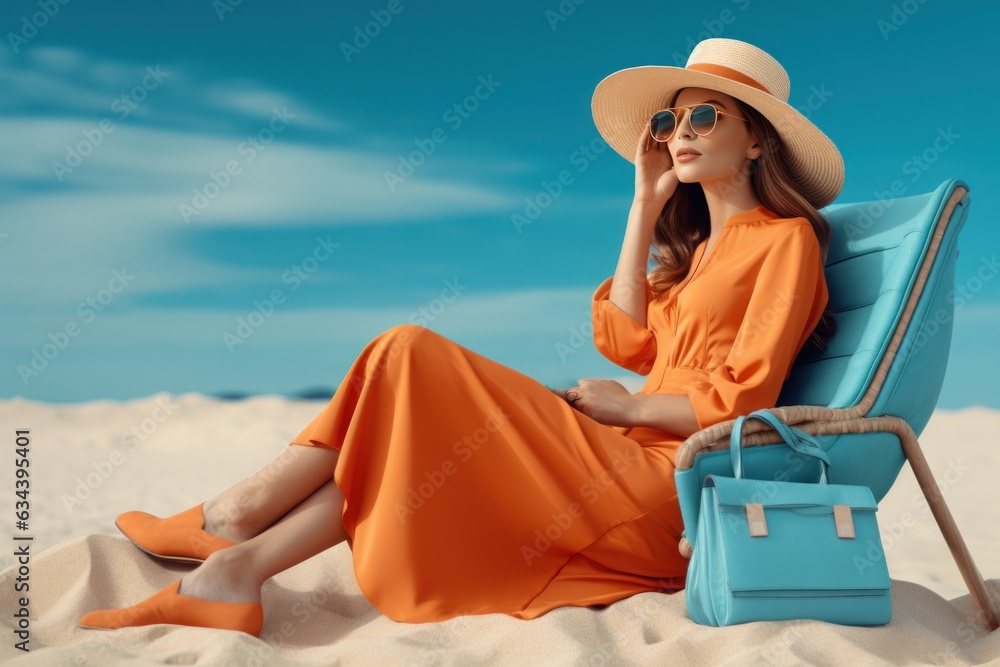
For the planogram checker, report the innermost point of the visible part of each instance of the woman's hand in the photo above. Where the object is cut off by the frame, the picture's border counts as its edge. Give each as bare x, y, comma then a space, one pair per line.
655, 177
605, 401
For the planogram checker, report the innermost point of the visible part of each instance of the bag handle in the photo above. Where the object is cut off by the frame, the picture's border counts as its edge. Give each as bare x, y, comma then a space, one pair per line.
798, 440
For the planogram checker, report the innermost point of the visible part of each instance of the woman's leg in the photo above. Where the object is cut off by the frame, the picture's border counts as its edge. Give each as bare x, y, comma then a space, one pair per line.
250, 506
236, 574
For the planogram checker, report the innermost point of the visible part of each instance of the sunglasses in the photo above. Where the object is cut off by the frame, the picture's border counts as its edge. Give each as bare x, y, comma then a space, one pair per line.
703, 119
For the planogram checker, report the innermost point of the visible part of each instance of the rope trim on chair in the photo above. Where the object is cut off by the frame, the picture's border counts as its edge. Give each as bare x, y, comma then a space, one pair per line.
862, 408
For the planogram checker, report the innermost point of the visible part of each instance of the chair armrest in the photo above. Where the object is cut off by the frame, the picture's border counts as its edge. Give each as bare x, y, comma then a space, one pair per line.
717, 436
809, 419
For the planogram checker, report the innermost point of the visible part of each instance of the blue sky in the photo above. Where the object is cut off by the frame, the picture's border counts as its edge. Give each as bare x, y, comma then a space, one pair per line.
237, 153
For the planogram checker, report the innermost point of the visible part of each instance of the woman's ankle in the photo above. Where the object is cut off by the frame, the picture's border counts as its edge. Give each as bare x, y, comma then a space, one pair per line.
227, 520
226, 576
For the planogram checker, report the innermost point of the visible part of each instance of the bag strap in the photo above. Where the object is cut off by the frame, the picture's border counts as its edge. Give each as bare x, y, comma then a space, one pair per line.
798, 440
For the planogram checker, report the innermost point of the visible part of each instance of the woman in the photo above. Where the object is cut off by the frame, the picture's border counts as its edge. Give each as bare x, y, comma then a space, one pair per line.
465, 487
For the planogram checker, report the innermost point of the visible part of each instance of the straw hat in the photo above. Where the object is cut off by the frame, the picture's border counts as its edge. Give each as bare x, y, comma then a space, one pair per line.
624, 102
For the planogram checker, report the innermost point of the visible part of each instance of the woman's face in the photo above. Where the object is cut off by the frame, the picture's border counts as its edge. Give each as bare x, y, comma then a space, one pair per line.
723, 151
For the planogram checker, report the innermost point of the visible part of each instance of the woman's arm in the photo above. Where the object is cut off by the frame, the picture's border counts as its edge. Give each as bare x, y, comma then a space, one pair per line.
628, 288
611, 403
673, 413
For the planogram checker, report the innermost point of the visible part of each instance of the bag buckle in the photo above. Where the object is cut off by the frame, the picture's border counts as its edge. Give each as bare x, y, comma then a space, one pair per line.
755, 519
845, 522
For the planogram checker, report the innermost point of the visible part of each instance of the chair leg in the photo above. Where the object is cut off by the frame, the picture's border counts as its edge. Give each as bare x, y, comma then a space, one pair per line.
949, 529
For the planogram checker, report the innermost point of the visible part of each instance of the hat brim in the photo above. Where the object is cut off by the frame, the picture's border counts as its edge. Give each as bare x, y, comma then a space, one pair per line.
624, 101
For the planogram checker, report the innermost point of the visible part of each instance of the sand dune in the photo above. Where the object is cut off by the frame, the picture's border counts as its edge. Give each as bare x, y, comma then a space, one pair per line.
162, 454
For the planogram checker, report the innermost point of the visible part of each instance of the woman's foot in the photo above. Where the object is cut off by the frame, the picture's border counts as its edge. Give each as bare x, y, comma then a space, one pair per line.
180, 537
221, 593
171, 607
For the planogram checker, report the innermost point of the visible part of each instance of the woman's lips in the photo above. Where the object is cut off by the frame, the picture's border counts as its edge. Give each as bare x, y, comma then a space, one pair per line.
687, 157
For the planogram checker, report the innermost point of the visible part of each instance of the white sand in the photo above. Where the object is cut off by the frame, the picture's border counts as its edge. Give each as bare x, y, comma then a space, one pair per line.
190, 447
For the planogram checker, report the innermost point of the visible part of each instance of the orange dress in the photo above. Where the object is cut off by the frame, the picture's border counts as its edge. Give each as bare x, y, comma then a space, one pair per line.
471, 488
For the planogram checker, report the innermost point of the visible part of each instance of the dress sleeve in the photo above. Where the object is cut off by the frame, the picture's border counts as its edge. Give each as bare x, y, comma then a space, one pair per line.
618, 336
786, 305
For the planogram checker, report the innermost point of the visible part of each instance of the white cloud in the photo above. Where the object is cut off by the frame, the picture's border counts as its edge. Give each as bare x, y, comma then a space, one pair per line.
248, 99
145, 170
547, 313
78, 84
114, 207
149, 172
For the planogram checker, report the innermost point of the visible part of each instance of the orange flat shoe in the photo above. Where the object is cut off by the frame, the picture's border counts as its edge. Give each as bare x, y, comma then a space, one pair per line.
169, 606
180, 537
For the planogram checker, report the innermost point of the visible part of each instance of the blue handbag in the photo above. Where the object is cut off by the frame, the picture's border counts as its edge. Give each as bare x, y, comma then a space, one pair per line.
775, 550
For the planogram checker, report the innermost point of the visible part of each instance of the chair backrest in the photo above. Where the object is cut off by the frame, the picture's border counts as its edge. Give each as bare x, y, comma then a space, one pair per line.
890, 270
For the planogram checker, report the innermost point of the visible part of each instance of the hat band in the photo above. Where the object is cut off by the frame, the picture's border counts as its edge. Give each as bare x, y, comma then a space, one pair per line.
728, 73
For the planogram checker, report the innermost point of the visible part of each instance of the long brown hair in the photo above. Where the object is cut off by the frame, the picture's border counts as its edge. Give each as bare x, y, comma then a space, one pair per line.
684, 221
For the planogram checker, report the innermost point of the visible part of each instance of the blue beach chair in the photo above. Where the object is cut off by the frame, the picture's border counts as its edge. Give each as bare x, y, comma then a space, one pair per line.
891, 275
